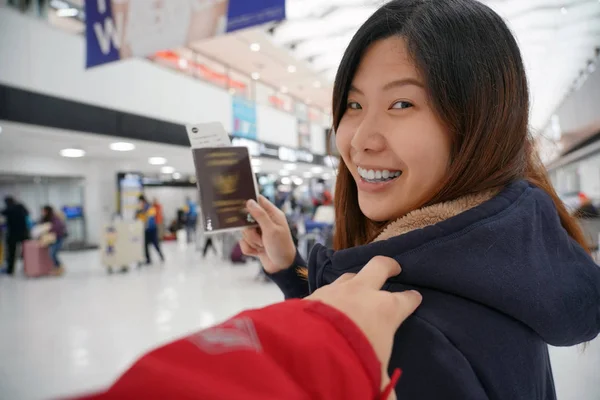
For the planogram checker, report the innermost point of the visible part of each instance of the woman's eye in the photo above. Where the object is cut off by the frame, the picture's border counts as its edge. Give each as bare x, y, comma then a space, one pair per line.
399, 105
354, 106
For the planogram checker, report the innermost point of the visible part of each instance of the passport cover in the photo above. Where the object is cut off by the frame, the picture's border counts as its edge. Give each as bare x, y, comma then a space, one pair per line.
226, 182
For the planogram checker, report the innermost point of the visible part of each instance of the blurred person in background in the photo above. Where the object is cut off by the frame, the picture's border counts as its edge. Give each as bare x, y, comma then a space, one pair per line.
147, 214
439, 170
16, 216
191, 219
159, 218
587, 209
59, 229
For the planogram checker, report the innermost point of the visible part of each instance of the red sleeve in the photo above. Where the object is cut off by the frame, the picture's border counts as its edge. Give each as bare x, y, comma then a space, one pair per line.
292, 350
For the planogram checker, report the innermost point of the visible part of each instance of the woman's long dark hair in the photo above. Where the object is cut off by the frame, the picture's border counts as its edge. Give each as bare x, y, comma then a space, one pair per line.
48, 214
477, 86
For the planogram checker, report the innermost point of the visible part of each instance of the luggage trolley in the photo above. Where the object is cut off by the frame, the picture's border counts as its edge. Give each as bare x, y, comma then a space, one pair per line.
122, 245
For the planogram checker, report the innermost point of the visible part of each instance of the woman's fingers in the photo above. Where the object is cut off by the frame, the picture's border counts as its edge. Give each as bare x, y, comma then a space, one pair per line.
253, 238
377, 271
247, 249
260, 215
268, 207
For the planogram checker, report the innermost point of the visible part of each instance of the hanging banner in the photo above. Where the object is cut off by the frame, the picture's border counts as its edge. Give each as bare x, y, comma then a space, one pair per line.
119, 29
244, 118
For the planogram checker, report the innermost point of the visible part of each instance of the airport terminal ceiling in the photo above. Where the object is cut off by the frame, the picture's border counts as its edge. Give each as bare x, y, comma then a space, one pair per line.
559, 39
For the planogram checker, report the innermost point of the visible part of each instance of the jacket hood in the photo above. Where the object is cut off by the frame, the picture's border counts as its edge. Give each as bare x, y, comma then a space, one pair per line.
507, 251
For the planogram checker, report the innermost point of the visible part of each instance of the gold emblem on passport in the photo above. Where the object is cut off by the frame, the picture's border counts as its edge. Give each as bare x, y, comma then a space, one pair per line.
226, 184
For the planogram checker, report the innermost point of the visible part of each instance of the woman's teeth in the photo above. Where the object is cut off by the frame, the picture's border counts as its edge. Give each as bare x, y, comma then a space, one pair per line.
372, 175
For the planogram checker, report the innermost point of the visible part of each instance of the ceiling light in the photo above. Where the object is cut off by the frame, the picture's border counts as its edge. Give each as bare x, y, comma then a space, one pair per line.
307, 174
256, 162
183, 63
167, 170
255, 47
297, 180
564, 10
59, 4
291, 69
283, 89
67, 12
72, 153
176, 175
286, 180
122, 146
255, 76
192, 179
284, 172
326, 176
316, 170
157, 160
290, 167
317, 84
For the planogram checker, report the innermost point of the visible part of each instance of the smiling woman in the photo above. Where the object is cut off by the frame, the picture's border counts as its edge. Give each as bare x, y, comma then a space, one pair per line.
438, 171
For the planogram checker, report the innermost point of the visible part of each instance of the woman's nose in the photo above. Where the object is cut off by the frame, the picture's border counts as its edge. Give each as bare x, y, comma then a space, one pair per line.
368, 135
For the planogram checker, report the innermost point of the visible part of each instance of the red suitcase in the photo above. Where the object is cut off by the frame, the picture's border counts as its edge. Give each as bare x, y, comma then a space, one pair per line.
36, 259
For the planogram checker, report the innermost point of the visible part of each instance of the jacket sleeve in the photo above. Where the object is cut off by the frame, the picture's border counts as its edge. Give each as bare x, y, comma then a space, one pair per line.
295, 350
290, 282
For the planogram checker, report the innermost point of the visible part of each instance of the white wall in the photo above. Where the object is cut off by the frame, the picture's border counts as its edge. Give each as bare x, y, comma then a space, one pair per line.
99, 186
318, 144
40, 58
276, 127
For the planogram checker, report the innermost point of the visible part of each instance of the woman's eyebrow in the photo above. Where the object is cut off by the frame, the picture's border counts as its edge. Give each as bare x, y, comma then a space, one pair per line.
393, 84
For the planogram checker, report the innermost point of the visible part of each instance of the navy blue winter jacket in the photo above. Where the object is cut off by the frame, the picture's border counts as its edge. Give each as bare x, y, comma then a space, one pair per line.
499, 282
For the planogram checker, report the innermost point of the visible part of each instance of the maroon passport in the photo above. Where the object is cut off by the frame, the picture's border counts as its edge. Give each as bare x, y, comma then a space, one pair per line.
226, 182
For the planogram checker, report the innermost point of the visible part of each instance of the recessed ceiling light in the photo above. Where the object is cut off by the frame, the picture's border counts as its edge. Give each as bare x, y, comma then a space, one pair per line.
183, 63
255, 76
72, 153
192, 179
290, 167
297, 180
256, 162
291, 69
283, 89
122, 146
176, 175
286, 180
157, 160
564, 10
284, 172
255, 47
307, 174
316, 170
67, 12
167, 170
317, 84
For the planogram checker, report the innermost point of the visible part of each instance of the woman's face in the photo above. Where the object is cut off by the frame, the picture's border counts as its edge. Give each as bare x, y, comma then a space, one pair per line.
393, 144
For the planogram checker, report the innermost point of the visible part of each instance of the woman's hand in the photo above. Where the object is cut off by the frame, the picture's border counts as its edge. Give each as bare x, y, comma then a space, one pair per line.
377, 313
273, 243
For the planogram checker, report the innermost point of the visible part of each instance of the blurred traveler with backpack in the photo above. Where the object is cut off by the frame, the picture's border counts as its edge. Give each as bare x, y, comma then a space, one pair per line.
16, 216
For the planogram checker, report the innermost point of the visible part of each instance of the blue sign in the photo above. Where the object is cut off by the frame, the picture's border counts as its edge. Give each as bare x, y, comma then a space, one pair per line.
244, 118
120, 29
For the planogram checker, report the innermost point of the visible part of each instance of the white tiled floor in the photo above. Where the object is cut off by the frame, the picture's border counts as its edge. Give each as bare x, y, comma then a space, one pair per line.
77, 333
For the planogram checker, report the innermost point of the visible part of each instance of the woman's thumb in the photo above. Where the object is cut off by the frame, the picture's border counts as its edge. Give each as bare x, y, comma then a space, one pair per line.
259, 214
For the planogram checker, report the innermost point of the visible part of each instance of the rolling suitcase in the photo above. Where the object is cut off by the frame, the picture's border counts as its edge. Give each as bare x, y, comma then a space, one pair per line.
36, 259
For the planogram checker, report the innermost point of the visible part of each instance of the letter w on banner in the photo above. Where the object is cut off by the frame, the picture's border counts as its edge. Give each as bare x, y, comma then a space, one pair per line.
120, 29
